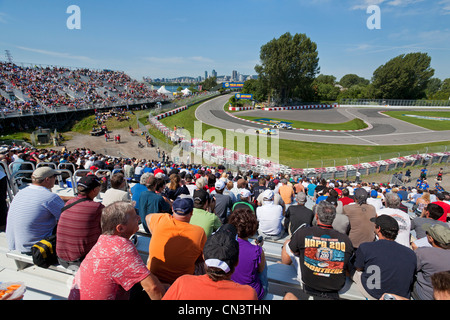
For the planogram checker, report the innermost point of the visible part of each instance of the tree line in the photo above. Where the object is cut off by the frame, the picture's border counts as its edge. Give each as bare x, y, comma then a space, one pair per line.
289, 73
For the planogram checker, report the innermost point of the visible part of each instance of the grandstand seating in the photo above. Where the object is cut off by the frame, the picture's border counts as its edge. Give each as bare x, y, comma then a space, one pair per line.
37, 89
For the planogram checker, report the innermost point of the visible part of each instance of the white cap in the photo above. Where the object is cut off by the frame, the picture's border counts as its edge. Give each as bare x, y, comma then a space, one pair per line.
244, 193
219, 185
268, 195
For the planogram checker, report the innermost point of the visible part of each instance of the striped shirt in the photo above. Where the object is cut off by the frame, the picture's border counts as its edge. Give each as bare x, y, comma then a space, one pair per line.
78, 229
32, 216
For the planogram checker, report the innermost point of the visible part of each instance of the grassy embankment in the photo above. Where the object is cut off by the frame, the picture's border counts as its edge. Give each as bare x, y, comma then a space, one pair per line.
297, 153
437, 125
355, 124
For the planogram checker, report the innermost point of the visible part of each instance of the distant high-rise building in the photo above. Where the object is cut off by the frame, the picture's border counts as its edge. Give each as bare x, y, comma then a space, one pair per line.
214, 73
206, 75
234, 75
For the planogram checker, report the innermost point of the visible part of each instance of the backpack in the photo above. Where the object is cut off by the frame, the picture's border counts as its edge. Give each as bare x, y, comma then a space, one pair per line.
44, 252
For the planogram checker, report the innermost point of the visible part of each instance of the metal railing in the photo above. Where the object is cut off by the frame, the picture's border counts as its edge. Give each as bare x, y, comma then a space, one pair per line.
396, 102
191, 100
323, 163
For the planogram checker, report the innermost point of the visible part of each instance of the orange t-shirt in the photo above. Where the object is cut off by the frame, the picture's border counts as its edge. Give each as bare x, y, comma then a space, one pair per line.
286, 192
189, 287
174, 247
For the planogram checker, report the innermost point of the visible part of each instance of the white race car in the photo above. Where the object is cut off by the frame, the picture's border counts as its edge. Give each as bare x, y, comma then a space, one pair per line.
282, 125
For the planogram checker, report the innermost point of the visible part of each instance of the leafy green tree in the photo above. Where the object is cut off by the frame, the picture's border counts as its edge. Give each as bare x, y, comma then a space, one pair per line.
351, 79
403, 77
326, 92
257, 88
209, 83
193, 89
325, 79
446, 85
444, 91
433, 86
325, 88
354, 92
233, 101
288, 66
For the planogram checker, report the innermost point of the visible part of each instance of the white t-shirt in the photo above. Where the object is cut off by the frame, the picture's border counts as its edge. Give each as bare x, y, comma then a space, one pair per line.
112, 195
270, 216
404, 223
376, 202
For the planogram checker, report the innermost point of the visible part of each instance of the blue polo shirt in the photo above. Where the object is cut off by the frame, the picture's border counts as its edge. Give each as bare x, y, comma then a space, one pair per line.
136, 191
151, 202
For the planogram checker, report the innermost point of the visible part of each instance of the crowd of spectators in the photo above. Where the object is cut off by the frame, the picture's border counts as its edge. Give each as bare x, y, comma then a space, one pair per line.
329, 229
33, 89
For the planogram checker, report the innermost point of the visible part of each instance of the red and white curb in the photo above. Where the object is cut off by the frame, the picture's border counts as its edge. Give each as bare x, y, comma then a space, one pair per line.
170, 113
369, 126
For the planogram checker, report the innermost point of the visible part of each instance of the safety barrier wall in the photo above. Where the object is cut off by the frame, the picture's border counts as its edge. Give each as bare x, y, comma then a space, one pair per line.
303, 107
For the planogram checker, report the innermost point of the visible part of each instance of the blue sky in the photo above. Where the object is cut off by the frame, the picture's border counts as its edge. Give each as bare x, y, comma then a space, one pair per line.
185, 38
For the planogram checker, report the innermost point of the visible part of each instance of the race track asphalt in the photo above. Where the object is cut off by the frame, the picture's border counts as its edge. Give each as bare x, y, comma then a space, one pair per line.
384, 130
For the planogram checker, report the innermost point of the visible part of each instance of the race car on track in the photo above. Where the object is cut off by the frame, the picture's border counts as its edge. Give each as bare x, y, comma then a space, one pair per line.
282, 125
267, 131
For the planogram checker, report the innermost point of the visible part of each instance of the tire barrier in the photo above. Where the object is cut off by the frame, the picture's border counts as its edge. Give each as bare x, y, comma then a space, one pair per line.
170, 113
304, 107
240, 108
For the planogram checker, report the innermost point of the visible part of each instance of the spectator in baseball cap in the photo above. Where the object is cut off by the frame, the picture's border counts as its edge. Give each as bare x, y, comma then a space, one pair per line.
88, 182
397, 262
176, 245
85, 217
431, 259
183, 206
222, 202
201, 216
244, 201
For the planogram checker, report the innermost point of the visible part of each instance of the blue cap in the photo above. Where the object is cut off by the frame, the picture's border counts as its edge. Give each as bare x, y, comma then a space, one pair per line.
183, 206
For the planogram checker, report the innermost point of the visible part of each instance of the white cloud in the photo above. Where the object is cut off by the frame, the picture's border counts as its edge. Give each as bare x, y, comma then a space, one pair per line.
56, 54
445, 6
363, 4
402, 3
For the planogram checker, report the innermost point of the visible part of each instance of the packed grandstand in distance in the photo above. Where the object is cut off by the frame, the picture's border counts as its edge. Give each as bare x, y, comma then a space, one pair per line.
35, 89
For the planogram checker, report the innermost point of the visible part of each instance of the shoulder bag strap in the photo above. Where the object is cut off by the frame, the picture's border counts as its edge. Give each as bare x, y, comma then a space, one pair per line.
74, 203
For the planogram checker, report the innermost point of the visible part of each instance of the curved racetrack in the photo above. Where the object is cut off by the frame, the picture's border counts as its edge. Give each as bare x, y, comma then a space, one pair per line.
384, 129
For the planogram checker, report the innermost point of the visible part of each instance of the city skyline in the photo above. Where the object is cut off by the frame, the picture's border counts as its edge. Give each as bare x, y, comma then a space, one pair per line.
156, 39
235, 76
